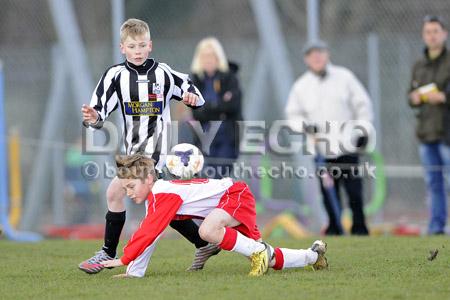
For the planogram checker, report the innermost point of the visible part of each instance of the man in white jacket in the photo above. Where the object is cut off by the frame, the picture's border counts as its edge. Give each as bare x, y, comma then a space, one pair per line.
331, 106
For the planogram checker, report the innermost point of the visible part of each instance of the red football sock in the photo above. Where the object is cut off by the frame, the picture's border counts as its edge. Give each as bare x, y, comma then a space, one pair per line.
279, 259
229, 239
235, 241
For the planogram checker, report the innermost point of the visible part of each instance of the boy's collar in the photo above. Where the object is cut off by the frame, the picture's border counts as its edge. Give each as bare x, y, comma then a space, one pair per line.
147, 65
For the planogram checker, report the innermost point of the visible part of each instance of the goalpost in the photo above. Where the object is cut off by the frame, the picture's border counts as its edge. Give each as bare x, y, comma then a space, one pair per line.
8, 230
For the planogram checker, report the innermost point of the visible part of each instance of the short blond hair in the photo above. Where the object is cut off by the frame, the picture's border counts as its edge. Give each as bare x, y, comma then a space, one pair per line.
213, 44
136, 166
133, 28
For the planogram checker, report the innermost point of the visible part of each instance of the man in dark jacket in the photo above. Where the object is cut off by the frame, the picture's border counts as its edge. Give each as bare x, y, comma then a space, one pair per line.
430, 96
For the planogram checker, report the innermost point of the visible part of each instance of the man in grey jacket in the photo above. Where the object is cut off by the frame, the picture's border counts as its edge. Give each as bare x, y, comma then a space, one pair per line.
429, 94
331, 106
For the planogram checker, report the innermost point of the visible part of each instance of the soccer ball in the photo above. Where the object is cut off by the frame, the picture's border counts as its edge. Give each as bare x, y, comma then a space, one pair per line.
184, 161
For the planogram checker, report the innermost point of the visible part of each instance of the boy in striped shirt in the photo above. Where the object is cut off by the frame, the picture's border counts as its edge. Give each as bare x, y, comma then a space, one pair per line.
142, 88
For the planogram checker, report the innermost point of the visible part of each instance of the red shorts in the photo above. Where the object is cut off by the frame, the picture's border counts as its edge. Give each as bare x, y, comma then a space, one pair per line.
239, 202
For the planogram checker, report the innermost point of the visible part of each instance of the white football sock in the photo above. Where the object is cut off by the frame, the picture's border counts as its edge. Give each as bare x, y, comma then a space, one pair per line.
300, 258
247, 246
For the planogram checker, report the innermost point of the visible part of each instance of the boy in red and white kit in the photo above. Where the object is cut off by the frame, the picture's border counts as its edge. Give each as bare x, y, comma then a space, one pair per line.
229, 213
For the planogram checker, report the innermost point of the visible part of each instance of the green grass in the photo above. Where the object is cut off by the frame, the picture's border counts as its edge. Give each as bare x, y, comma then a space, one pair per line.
360, 268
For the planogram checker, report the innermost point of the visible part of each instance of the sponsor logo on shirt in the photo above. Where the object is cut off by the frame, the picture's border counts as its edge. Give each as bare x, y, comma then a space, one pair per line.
148, 108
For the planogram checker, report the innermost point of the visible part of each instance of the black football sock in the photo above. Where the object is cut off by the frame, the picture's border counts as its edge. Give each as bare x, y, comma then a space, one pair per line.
189, 229
113, 228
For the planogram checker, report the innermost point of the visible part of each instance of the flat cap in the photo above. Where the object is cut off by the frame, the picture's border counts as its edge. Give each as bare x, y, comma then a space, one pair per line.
314, 45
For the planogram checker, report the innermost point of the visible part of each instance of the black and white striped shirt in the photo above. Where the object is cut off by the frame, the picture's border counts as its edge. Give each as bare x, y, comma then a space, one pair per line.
143, 93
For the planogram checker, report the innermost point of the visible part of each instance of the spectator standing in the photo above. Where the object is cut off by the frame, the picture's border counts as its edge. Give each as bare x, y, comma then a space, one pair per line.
217, 80
428, 95
321, 101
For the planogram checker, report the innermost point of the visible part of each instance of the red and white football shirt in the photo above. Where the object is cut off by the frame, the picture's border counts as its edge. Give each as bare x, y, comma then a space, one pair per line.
197, 197
192, 198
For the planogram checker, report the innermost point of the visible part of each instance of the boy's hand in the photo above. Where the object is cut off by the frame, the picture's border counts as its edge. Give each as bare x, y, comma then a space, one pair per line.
90, 115
190, 99
112, 263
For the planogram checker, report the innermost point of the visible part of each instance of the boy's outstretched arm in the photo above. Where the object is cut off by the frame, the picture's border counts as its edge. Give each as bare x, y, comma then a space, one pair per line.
104, 99
161, 209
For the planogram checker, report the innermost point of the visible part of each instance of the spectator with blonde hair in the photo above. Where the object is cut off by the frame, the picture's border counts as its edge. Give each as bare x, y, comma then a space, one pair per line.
216, 78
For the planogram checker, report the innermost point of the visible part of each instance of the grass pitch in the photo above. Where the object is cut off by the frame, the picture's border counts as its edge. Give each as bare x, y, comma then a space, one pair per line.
360, 268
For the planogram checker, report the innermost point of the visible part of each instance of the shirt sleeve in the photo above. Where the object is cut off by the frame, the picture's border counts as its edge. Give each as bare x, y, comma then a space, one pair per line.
447, 94
104, 98
183, 84
359, 99
295, 114
161, 209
